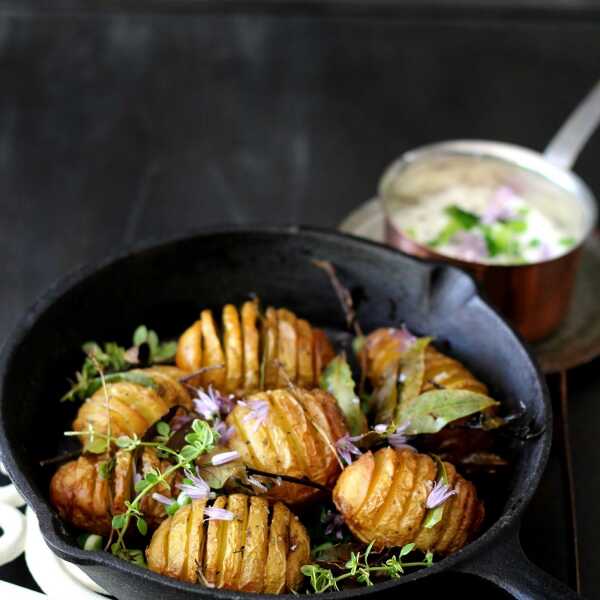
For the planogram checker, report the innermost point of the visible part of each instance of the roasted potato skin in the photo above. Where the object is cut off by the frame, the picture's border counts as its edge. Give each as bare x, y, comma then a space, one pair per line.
296, 438
382, 499
383, 351
88, 501
133, 407
261, 550
257, 352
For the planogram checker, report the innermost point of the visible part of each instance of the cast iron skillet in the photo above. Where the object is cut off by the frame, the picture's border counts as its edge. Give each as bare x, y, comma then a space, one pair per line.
165, 285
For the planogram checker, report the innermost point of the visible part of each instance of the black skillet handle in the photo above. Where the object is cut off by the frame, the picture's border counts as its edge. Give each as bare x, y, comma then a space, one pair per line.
506, 565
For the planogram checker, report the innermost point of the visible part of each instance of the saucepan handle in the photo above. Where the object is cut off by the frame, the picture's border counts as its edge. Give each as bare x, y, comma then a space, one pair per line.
506, 565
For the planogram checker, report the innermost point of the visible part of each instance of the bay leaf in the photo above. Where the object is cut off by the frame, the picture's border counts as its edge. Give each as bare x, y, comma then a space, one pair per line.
432, 411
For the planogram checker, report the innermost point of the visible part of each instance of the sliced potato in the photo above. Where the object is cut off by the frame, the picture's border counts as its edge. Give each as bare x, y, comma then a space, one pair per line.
269, 363
176, 555
212, 355
388, 505
251, 359
195, 541
189, 348
232, 342
279, 540
287, 347
306, 372
214, 545
256, 546
233, 540
323, 352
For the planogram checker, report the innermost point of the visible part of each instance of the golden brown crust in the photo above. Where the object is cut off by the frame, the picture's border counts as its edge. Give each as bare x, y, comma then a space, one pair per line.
296, 438
253, 552
133, 407
278, 348
382, 498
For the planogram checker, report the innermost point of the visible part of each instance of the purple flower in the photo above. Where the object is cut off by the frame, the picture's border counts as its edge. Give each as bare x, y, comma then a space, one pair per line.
195, 487
224, 457
501, 206
180, 421
225, 431
259, 411
211, 404
470, 245
399, 439
439, 494
257, 484
333, 522
163, 499
345, 448
218, 514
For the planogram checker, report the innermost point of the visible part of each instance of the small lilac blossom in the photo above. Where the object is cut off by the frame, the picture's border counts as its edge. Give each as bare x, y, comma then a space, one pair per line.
257, 484
501, 206
346, 449
440, 492
163, 499
333, 522
197, 489
225, 431
180, 421
218, 514
470, 245
399, 439
259, 411
211, 404
137, 477
224, 457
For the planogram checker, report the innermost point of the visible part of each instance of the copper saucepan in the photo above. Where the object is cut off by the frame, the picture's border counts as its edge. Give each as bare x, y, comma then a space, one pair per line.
533, 296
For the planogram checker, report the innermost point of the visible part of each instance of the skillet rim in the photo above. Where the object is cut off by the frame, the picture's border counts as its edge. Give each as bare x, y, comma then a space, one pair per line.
50, 522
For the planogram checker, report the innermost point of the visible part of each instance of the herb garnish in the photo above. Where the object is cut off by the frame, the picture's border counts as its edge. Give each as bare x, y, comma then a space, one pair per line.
115, 361
359, 569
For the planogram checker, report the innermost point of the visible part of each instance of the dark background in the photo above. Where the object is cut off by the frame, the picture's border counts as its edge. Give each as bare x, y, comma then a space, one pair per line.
118, 126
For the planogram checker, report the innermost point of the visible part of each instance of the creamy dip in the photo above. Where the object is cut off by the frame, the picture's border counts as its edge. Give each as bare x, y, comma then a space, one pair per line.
480, 212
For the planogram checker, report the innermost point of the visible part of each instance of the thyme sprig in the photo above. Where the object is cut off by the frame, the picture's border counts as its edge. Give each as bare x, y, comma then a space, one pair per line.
115, 361
200, 440
359, 569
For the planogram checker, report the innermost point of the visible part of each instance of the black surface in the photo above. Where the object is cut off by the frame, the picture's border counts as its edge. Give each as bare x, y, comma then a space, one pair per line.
118, 128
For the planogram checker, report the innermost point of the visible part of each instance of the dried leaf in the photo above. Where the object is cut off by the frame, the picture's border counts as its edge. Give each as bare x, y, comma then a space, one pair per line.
433, 410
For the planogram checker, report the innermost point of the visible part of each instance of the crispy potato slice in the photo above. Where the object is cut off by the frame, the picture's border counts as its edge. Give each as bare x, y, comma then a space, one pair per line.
287, 347
195, 544
323, 352
214, 545
352, 486
298, 554
157, 553
251, 346
399, 518
189, 348
212, 354
232, 341
449, 373
306, 373
234, 540
122, 481
270, 349
256, 546
276, 566
176, 553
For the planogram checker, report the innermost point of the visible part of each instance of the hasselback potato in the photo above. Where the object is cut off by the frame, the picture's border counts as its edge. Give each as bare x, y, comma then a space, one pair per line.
87, 496
253, 350
260, 549
134, 407
382, 498
289, 432
385, 349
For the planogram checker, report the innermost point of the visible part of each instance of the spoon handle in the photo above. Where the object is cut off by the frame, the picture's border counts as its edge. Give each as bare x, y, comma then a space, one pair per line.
567, 143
